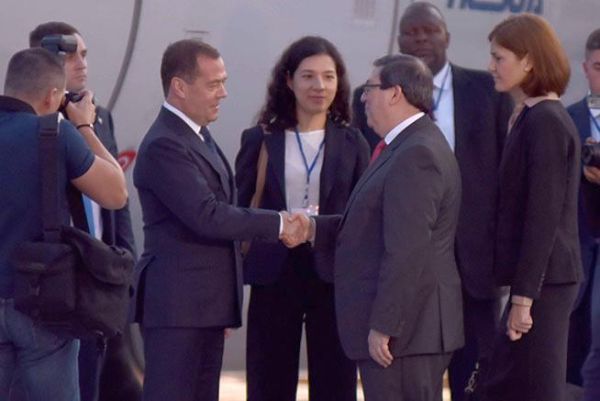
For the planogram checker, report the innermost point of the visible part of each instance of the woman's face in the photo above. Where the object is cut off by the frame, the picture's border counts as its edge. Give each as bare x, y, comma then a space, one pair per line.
314, 84
507, 69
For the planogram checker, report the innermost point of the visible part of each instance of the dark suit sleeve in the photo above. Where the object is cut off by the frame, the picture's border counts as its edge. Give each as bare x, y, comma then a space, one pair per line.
246, 165
176, 179
547, 156
326, 231
411, 199
121, 218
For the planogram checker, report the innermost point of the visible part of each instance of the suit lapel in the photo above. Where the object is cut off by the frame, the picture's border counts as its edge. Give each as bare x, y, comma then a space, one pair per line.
275, 143
334, 149
189, 137
383, 158
227, 177
581, 117
464, 115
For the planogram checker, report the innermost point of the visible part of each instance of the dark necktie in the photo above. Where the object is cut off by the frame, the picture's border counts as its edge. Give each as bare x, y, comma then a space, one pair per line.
212, 146
208, 140
377, 151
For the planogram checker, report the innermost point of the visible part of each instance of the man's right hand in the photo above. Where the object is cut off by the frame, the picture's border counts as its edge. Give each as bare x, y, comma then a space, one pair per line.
592, 174
82, 112
296, 229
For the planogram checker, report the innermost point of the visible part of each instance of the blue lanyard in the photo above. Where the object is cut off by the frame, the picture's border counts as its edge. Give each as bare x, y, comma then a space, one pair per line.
594, 120
439, 96
309, 168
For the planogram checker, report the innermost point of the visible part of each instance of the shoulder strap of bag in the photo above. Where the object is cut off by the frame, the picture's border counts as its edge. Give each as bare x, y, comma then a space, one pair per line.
263, 158
48, 151
261, 173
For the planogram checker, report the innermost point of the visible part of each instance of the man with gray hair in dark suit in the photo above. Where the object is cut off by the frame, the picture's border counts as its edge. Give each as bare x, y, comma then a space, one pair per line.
397, 288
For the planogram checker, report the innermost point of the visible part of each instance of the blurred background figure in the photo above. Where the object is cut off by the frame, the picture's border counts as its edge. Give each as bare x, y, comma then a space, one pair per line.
584, 331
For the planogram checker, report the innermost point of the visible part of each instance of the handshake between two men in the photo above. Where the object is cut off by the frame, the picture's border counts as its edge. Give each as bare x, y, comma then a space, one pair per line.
297, 229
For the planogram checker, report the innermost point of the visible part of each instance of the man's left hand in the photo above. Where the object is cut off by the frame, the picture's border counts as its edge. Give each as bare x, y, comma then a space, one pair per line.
379, 348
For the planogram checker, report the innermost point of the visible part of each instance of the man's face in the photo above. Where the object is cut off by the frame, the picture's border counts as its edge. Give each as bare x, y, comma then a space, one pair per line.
423, 34
591, 68
203, 95
76, 67
375, 100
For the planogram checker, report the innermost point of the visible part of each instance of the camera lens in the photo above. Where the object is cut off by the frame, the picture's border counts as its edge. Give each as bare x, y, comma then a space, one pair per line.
590, 154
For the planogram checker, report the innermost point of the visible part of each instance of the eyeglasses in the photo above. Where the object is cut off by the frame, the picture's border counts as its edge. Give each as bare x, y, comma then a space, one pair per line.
369, 87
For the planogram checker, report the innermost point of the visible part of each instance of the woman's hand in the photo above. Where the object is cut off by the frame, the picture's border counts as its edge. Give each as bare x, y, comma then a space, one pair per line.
519, 321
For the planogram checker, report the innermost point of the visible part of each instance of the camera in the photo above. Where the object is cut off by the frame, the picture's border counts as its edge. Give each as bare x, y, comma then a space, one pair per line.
590, 154
60, 44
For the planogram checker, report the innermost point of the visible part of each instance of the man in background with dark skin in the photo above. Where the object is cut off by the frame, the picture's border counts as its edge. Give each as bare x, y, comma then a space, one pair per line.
473, 118
113, 227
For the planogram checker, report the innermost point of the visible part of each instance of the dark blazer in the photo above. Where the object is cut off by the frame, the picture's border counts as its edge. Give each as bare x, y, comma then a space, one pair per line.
480, 123
346, 155
190, 271
589, 198
537, 239
395, 269
116, 224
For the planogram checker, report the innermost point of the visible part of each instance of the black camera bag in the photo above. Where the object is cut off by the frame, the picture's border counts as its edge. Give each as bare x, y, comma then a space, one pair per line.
70, 282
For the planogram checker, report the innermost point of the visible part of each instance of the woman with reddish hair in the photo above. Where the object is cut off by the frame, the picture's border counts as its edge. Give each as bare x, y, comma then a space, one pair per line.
536, 249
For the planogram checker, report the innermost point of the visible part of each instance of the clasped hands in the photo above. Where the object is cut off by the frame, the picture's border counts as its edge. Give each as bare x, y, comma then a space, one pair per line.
297, 229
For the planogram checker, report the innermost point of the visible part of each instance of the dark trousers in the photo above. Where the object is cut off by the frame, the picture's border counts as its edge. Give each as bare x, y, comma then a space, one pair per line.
182, 364
580, 328
90, 361
481, 318
276, 315
534, 367
409, 378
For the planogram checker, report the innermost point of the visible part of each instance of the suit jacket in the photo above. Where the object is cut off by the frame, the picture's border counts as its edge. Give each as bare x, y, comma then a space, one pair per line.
346, 156
116, 224
190, 272
589, 199
537, 238
480, 124
395, 269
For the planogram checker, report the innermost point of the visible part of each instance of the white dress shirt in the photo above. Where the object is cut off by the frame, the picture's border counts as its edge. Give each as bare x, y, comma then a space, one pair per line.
444, 103
295, 169
390, 136
195, 127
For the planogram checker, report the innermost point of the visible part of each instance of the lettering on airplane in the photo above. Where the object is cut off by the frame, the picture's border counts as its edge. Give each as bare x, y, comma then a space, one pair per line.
499, 6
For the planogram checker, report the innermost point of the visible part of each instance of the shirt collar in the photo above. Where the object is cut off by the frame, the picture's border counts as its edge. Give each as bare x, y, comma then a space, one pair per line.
595, 112
195, 127
532, 101
401, 127
8, 103
438, 79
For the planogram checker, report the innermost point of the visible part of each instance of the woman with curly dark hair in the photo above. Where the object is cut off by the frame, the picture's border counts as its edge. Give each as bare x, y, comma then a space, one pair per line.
314, 161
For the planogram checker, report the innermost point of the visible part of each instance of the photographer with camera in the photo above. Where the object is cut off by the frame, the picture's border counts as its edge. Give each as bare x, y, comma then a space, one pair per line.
45, 362
113, 227
584, 332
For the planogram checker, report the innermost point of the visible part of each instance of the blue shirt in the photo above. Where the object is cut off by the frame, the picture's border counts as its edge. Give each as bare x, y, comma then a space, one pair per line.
20, 183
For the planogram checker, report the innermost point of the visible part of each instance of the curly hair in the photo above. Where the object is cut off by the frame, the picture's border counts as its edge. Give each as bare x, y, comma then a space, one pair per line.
279, 111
